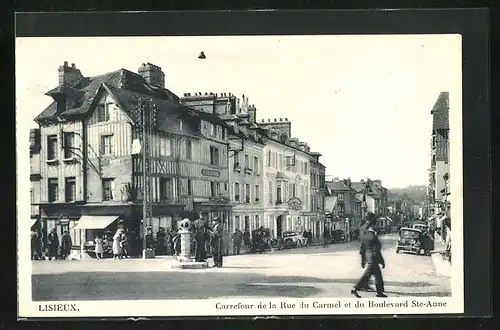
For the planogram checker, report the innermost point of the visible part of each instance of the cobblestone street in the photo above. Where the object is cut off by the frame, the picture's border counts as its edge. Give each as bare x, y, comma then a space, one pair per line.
306, 272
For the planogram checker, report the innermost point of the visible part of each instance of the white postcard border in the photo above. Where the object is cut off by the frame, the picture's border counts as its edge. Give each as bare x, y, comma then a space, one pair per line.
208, 307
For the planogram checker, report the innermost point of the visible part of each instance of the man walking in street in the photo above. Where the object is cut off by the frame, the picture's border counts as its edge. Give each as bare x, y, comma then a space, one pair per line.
237, 239
371, 258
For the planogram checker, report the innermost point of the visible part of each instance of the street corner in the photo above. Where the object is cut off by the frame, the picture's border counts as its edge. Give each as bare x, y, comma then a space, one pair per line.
441, 266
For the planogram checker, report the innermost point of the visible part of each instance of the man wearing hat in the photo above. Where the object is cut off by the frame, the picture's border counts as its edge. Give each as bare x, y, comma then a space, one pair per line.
199, 228
217, 242
371, 258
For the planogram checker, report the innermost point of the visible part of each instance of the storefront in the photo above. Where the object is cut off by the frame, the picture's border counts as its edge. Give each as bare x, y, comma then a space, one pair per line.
85, 221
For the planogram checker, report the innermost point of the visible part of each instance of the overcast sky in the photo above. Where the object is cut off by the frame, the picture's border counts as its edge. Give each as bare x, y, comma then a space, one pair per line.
363, 102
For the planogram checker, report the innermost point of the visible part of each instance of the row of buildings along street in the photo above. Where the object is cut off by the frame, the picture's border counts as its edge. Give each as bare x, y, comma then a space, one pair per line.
209, 155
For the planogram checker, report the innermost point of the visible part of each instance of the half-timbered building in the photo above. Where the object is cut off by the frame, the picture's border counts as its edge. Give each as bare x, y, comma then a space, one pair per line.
89, 153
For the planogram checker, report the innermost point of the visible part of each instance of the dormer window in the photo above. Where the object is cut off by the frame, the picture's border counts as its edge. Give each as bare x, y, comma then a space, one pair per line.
61, 105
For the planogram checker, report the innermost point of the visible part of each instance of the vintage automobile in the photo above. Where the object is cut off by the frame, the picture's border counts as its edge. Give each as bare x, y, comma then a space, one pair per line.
291, 239
337, 235
420, 225
261, 240
413, 241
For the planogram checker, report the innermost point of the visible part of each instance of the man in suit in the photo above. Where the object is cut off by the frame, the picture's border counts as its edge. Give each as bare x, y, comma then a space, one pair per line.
217, 242
199, 228
371, 258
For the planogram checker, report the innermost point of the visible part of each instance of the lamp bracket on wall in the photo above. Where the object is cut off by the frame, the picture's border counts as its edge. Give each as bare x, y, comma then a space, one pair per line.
238, 150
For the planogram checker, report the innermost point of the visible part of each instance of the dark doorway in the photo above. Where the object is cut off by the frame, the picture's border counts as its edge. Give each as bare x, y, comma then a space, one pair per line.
279, 228
247, 222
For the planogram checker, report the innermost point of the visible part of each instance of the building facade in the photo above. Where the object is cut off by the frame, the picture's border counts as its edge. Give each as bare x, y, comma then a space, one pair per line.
439, 173
246, 157
287, 187
35, 178
340, 204
90, 155
318, 193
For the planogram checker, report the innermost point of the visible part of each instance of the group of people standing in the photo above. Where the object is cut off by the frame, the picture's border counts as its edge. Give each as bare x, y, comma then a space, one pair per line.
214, 234
56, 249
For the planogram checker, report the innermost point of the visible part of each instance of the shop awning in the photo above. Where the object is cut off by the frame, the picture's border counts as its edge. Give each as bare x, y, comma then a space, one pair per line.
33, 222
95, 222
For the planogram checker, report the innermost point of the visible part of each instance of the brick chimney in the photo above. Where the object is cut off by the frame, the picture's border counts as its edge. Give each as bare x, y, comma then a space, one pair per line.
69, 75
252, 112
152, 74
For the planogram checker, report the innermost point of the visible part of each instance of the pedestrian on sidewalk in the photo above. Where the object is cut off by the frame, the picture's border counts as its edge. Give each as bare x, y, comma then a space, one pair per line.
371, 258
217, 242
99, 248
200, 228
66, 245
36, 245
117, 251
326, 237
125, 246
309, 237
53, 243
237, 239
246, 238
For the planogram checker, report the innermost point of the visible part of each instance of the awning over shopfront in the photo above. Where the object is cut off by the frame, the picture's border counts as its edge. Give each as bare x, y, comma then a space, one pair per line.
33, 222
95, 222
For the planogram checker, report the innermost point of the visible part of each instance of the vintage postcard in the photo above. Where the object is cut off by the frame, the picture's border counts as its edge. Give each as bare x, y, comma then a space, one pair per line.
239, 175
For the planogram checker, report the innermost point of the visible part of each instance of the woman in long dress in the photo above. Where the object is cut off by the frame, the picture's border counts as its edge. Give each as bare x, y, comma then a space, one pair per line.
99, 248
116, 245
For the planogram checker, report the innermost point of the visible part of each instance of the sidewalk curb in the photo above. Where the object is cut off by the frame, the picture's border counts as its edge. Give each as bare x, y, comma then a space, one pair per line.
441, 266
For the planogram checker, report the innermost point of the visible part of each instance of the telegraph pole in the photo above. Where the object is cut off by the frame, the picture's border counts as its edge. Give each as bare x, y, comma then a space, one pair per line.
146, 123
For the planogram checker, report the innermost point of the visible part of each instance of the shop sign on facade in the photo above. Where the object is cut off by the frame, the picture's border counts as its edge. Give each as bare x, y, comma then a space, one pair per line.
295, 204
210, 172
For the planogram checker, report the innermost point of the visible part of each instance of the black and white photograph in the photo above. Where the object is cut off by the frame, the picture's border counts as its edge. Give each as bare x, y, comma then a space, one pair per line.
239, 175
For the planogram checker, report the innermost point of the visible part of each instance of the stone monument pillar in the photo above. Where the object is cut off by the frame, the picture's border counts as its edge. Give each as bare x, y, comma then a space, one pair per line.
185, 233
185, 257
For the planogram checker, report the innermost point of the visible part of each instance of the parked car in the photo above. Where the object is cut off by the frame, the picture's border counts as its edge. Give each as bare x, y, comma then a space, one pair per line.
420, 225
337, 235
291, 239
413, 241
260, 242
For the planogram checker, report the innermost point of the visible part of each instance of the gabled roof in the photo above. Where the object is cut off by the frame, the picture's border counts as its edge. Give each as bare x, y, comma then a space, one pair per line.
125, 86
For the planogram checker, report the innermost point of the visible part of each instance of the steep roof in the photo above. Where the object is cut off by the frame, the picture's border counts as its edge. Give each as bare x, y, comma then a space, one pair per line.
440, 112
127, 88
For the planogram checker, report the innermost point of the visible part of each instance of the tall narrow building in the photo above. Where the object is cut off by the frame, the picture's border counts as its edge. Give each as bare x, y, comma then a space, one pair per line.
439, 174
